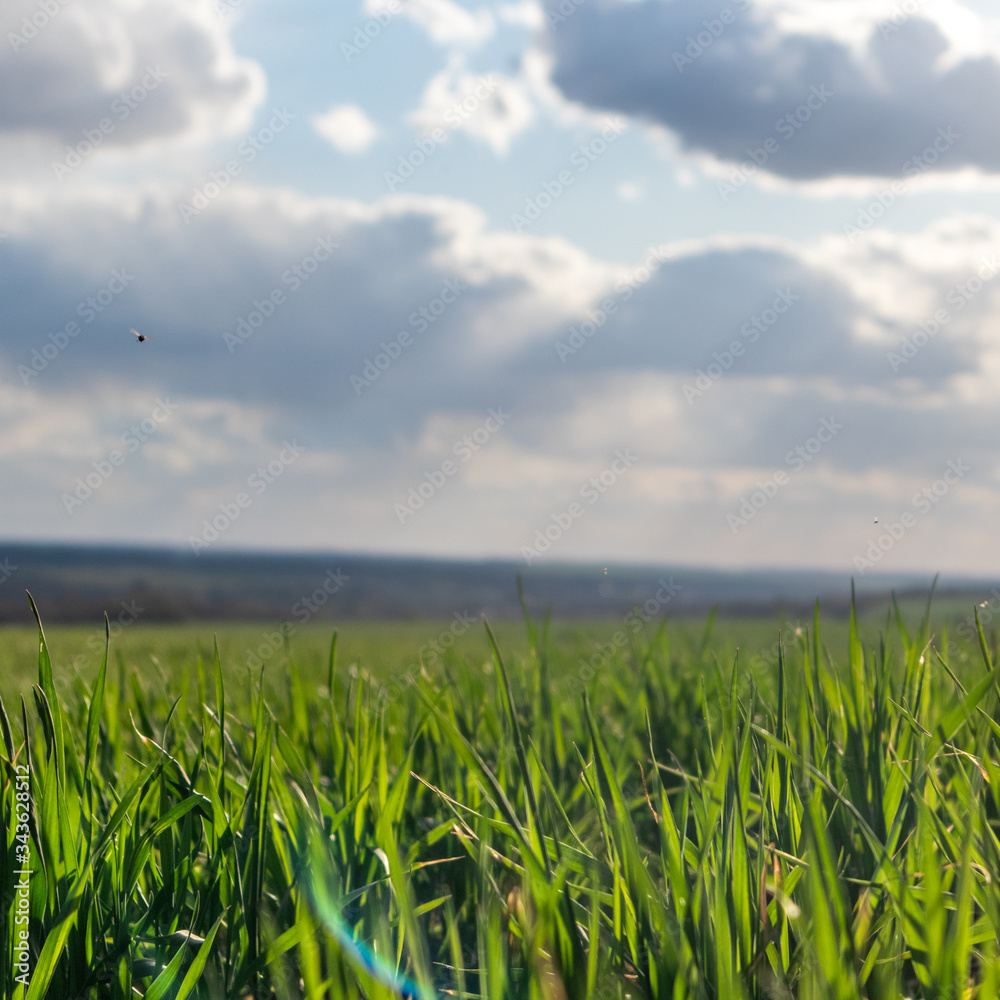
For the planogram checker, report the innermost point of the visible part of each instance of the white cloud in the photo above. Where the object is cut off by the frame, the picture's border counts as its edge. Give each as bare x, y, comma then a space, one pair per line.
126, 71
526, 14
487, 107
628, 191
445, 22
347, 128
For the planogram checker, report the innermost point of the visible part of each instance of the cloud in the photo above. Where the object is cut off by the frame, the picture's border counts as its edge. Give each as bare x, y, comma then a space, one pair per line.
125, 72
489, 108
524, 13
527, 311
349, 277
446, 23
838, 94
379, 336
347, 128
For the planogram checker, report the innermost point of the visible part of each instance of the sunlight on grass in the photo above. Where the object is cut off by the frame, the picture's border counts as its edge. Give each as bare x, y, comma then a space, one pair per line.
689, 826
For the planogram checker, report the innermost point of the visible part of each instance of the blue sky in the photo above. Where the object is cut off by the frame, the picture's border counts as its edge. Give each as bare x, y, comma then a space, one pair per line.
666, 281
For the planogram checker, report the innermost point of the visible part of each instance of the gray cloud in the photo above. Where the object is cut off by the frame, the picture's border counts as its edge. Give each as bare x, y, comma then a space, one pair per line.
514, 299
147, 71
788, 316
728, 88
404, 268
289, 302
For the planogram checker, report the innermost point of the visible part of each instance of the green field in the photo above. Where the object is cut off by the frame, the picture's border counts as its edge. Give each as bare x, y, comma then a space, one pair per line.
576, 810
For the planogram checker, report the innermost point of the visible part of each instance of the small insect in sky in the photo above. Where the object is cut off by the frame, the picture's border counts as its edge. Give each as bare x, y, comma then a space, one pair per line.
876, 520
141, 337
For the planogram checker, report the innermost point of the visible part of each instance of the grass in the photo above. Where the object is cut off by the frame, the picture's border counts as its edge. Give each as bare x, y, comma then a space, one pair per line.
667, 818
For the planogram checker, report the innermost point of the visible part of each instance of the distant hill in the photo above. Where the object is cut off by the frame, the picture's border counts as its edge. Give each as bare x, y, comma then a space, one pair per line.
80, 583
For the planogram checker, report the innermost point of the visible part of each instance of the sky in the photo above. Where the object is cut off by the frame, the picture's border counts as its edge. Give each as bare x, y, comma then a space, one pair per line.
633, 281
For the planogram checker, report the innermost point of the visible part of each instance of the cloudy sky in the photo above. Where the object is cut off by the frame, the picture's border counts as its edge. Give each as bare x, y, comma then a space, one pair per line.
677, 281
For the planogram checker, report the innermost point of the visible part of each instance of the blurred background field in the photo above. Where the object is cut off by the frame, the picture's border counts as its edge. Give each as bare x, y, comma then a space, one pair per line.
77, 584
388, 650
167, 606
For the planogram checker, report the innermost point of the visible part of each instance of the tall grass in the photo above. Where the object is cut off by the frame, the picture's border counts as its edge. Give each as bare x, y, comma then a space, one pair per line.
686, 828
